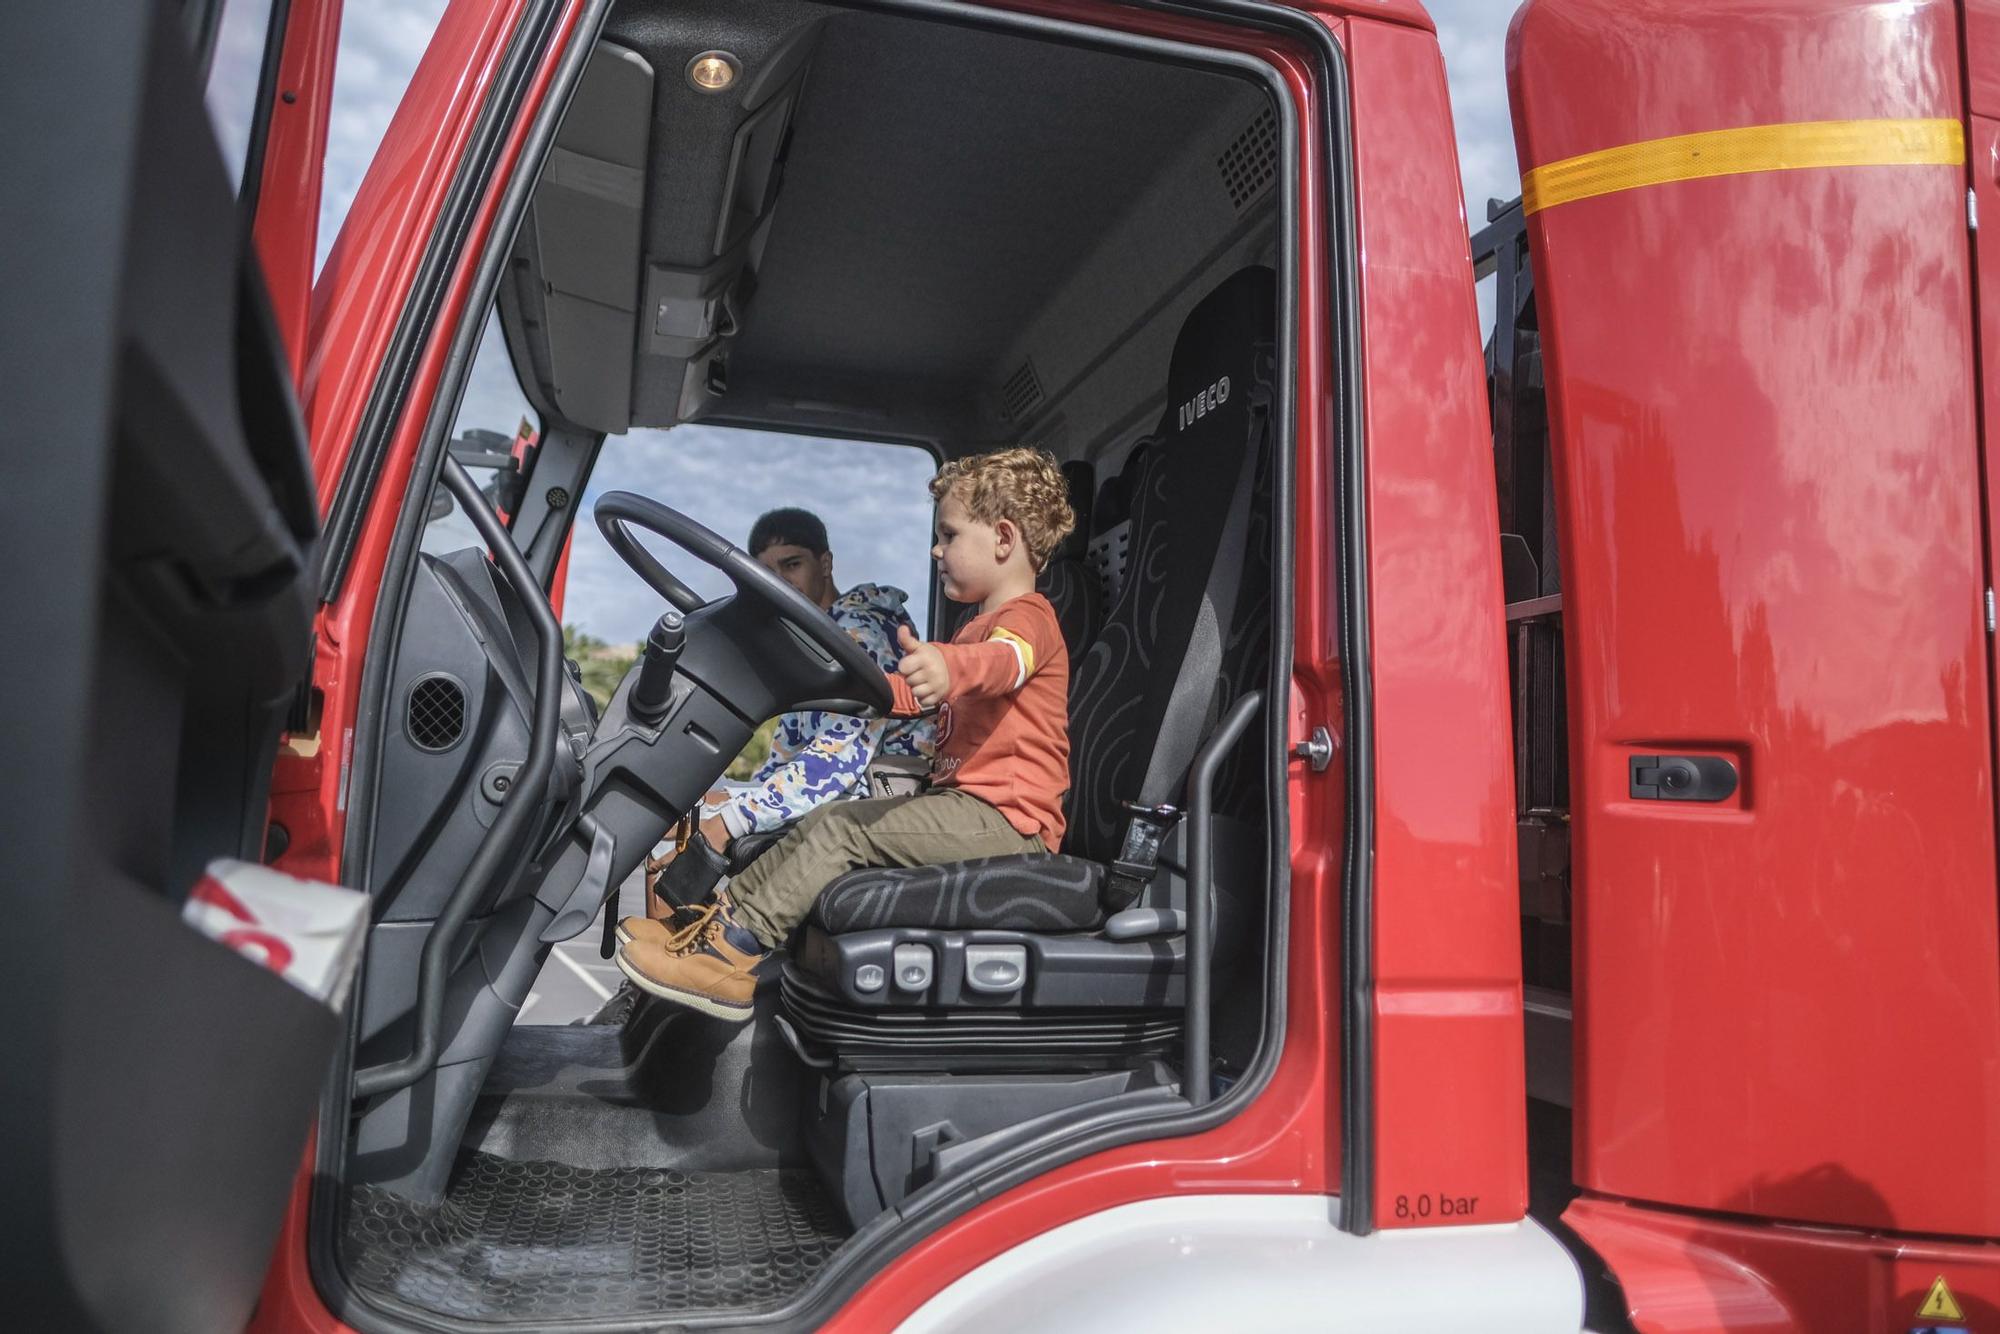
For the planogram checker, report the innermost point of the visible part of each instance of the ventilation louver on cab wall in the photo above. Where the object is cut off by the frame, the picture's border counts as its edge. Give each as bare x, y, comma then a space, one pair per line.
1022, 393
434, 716
1250, 164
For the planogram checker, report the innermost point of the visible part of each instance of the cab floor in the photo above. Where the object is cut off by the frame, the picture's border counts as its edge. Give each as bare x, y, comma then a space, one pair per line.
541, 1240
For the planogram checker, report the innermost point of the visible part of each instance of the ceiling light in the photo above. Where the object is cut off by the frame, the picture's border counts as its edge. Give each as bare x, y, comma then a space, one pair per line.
712, 71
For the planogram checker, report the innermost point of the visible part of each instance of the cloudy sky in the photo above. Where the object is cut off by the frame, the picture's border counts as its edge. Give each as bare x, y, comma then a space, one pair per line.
872, 498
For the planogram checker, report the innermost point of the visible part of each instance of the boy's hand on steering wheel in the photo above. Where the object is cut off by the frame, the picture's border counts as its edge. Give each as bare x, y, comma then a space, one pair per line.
923, 666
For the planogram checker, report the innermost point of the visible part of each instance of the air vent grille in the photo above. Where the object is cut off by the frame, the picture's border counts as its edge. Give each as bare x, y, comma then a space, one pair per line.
1022, 393
1250, 164
435, 718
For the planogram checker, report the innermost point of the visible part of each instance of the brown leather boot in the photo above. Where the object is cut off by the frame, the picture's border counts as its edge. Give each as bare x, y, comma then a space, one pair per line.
653, 929
709, 965
673, 920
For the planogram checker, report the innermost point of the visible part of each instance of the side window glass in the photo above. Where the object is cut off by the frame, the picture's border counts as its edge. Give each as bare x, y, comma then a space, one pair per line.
873, 498
493, 435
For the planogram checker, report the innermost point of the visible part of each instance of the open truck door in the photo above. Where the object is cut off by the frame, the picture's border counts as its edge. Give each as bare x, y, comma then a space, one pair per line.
159, 537
202, 420
1753, 268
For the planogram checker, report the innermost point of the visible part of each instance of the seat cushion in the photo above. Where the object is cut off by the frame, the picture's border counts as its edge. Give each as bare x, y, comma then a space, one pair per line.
1028, 891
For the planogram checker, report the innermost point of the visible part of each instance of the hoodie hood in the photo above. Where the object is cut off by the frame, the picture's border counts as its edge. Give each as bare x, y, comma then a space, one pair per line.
878, 601
871, 613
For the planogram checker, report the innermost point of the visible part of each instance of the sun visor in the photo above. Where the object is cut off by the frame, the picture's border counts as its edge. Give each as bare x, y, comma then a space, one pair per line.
583, 235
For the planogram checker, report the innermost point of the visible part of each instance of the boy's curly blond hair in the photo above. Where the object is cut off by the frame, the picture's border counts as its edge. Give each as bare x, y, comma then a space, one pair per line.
1024, 484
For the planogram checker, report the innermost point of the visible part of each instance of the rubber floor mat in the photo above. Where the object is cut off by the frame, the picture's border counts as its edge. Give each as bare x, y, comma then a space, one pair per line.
527, 1240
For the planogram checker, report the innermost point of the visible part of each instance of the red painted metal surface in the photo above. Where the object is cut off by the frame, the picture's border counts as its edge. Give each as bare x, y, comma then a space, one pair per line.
1762, 404
1450, 1106
288, 193
1982, 56
1460, 1020
290, 1303
367, 278
1410, 13
1982, 157
374, 260
1689, 1274
1286, 1140
559, 584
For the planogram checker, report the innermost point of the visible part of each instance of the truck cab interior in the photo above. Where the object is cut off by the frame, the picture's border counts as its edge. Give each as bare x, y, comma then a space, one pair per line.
789, 216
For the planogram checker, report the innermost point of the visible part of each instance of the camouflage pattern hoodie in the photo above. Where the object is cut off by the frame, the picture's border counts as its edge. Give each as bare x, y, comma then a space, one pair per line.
818, 756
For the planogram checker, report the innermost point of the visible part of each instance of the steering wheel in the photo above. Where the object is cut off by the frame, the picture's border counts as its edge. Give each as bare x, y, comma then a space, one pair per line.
863, 678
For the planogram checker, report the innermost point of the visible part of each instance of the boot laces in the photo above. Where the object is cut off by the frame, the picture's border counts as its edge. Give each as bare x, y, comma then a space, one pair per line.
705, 922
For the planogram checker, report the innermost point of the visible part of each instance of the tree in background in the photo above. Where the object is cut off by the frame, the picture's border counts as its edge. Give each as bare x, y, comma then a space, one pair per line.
601, 665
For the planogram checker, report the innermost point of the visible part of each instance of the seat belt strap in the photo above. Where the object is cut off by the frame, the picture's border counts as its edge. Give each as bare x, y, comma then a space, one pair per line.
1191, 707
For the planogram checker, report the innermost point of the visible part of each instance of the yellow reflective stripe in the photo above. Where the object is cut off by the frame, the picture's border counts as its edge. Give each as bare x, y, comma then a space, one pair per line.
1022, 650
1686, 157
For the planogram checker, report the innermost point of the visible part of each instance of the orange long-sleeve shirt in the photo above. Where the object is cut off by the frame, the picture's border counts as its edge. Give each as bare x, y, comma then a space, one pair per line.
1003, 728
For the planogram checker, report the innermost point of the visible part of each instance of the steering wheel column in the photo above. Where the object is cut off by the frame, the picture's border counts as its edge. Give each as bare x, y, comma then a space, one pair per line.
674, 725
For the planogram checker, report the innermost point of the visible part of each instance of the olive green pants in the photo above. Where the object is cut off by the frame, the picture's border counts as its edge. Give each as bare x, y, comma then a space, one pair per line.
776, 892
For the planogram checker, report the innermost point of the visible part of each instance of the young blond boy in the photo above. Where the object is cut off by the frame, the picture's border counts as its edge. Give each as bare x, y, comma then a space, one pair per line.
1001, 692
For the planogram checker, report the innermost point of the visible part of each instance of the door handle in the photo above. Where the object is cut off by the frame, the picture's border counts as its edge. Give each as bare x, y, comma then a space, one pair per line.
1682, 778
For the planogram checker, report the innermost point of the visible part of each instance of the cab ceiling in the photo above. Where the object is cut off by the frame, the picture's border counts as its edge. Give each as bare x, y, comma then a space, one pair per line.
941, 189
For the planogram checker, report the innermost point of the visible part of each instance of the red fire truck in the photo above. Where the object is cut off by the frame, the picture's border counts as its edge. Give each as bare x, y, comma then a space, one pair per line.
1531, 853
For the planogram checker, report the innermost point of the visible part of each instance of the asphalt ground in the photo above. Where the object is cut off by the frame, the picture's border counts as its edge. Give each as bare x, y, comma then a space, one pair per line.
575, 980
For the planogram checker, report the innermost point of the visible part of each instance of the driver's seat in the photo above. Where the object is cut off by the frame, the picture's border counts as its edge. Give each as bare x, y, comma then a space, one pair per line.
1048, 959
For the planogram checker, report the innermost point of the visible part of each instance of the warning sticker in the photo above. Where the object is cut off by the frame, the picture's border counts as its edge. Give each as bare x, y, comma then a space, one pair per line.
1939, 1304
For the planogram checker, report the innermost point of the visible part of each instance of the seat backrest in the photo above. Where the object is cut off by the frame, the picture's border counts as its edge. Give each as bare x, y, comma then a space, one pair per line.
1209, 462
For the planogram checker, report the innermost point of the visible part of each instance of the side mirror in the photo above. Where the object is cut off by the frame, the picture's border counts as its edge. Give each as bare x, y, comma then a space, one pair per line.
441, 505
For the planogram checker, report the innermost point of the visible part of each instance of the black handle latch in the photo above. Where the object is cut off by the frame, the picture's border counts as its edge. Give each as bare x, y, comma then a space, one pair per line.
1682, 778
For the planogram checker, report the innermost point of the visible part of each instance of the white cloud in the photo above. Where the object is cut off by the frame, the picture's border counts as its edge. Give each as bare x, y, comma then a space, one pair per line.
1473, 34
871, 497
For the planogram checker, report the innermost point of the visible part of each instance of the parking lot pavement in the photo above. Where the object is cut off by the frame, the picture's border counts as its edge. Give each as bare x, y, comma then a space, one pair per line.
575, 980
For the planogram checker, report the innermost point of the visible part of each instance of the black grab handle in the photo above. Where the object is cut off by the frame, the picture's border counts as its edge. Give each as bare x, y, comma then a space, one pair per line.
1201, 890
522, 800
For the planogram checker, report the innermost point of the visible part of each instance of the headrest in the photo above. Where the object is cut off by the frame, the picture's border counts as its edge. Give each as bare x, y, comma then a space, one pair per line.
1078, 476
1214, 359
1113, 505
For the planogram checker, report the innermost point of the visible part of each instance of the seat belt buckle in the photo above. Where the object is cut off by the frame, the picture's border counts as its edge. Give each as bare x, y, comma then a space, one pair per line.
1139, 854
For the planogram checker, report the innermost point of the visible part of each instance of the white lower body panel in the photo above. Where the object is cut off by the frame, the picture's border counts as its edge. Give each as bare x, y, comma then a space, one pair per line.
1233, 1264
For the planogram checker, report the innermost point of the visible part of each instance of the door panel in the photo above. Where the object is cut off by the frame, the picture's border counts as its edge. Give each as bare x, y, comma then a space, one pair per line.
158, 535
292, 172
1762, 411
1982, 57
1449, 1104
1983, 157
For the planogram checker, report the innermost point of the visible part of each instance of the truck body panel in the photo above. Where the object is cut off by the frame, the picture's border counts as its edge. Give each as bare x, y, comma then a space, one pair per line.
1763, 413
1448, 1098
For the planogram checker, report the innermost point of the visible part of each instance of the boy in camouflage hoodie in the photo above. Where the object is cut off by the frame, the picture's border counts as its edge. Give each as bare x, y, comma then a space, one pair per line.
818, 756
